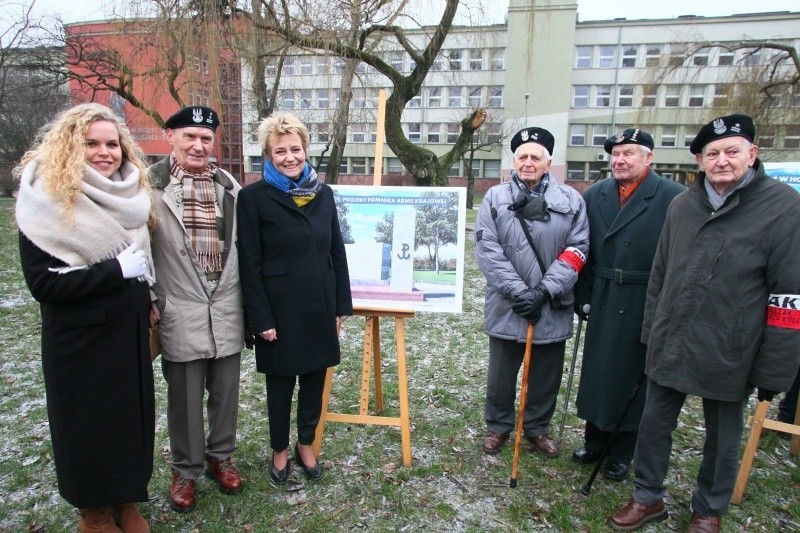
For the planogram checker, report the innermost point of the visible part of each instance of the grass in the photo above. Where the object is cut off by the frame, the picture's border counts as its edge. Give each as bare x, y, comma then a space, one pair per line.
451, 486
433, 276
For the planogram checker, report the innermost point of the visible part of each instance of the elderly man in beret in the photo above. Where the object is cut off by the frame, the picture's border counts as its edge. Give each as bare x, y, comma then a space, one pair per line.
721, 317
199, 303
531, 239
625, 217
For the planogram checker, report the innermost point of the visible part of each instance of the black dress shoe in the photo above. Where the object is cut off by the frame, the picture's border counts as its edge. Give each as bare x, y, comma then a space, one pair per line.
278, 476
311, 472
616, 471
585, 457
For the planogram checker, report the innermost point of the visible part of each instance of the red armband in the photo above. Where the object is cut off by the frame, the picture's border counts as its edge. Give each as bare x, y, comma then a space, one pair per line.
783, 311
573, 257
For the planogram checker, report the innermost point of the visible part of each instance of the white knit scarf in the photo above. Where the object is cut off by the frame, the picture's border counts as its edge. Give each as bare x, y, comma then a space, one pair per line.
108, 216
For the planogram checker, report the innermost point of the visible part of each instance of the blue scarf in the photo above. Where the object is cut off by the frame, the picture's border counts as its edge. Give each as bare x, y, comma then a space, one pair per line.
306, 184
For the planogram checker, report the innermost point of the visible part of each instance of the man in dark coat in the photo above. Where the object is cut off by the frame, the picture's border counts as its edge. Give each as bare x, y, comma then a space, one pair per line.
625, 218
721, 317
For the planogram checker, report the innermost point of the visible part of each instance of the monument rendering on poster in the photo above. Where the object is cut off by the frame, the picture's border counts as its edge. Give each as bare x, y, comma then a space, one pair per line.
405, 245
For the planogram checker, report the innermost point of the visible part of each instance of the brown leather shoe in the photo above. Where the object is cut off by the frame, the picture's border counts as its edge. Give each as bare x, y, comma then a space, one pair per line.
492, 442
634, 515
97, 520
225, 474
544, 444
129, 519
182, 497
704, 524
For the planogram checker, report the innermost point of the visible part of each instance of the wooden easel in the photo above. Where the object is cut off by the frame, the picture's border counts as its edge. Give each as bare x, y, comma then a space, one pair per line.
371, 357
757, 423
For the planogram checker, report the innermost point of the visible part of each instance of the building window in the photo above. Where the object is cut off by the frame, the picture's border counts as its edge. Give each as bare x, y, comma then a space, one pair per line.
625, 97
792, 137
725, 58
454, 59
474, 97
323, 65
629, 53
583, 57
649, 95
652, 56
415, 133
577, 135
606, 59
668, 136
454, 170
580, 96
287, 99
751, 58
496, 96
415, 102
453, 131
306, 65
687, 140
359, 132
494, 133
697, 95
323, 132
434, 97
288, 66
338, 65
475, 166
438, 63
255, 163
722, 94
599, 134
476, 59
359, 98
575, 170
359, 165
454, 97
766, 137
700, 58
491, 168
343, 166
434, 133
305, 99
253, 130
676, 56
794, 100
602, 96
396, 60
596, 169
394, 166
672, 95
497, 59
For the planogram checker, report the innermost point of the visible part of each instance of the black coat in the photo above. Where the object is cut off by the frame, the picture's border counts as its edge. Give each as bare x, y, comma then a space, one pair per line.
293, 270
614, 356
98, 378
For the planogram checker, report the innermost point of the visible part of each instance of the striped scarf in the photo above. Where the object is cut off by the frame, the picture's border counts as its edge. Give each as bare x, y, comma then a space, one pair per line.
200, 215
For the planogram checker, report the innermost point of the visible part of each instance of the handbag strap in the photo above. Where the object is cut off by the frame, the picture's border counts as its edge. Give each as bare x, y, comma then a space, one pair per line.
530, 240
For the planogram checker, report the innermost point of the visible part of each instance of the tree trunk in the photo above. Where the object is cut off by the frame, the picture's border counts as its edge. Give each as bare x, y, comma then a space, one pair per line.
340, 120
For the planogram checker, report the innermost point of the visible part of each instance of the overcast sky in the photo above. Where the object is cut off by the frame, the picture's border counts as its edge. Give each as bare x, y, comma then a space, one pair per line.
493, 10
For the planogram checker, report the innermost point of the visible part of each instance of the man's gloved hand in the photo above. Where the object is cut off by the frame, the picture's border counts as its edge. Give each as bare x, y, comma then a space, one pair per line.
582, 310
766, 394
529, 304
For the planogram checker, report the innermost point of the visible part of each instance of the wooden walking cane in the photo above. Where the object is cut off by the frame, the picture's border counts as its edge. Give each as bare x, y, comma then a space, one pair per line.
523, 393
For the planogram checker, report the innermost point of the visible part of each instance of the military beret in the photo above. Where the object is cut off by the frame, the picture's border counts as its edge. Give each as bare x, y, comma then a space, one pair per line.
533, 135
193, 116
629, 136
719, 128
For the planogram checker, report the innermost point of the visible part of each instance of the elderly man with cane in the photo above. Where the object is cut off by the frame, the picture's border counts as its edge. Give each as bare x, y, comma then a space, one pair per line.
625, 218
531, 239
720, 318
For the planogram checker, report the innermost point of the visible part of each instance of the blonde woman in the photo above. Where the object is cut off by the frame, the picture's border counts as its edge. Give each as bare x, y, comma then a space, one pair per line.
296, 286
83, 210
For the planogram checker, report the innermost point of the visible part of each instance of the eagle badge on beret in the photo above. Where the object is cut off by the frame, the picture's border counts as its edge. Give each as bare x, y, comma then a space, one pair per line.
524, 135
197, 115
719, 126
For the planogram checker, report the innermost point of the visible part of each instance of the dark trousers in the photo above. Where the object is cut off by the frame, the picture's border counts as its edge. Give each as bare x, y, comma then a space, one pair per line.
717, 474
280, 390
788, 405
544, 380
621, 452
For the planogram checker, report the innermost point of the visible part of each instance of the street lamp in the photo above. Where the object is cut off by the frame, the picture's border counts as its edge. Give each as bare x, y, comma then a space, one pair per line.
527, 95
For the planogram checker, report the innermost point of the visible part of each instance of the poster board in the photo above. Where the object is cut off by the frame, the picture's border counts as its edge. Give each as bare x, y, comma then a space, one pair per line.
405, 245
788, 173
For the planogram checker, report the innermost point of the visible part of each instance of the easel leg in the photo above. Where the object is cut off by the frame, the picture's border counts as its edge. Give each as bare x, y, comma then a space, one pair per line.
402, 386
749, 452
326, 396
366, 356
376, 351
794, 449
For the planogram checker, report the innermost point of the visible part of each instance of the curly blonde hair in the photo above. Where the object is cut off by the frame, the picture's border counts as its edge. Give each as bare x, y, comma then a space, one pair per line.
60, 148
278, 124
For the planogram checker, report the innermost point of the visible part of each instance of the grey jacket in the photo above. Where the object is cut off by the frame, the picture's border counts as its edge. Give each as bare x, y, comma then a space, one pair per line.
511, 268
723, 291
196, 323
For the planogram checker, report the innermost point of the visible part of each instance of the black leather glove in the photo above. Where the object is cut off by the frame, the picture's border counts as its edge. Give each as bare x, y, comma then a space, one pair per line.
766, 394
582, 310
529, 304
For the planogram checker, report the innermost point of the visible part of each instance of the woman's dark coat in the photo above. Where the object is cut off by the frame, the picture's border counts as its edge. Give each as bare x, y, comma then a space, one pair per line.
626, 239
98, 377
293, 270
